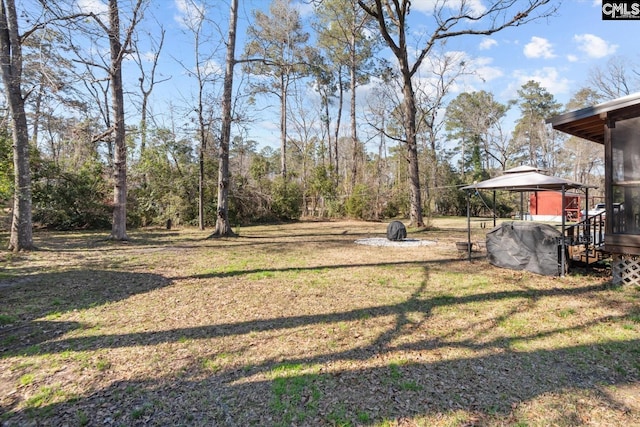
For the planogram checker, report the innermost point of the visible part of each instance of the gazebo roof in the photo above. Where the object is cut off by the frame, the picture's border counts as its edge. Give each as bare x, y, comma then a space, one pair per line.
523, 168
588, 123
525, 181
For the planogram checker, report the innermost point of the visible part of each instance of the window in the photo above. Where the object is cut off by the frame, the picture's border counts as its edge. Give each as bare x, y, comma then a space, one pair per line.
626, 177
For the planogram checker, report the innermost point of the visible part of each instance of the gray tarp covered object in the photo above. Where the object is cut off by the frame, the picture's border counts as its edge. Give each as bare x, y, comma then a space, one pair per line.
396, 231
521, 245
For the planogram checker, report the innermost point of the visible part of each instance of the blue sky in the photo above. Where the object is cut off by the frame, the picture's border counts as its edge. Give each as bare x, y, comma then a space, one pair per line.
558, 52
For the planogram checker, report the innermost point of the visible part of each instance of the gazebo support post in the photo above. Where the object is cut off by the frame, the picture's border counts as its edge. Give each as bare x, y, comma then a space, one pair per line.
494, 209
468, 225
564, 241
586, 228
522, 206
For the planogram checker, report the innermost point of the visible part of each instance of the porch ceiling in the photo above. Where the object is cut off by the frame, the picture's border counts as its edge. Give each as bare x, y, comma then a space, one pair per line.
588, 123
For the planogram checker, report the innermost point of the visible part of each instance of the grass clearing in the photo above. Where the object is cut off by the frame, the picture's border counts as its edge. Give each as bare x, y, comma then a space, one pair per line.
294, 324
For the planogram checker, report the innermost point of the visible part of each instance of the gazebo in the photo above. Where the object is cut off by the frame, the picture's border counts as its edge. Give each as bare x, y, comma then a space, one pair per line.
524, 179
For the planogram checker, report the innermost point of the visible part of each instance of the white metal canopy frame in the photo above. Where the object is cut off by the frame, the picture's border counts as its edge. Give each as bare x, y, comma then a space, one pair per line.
522, 179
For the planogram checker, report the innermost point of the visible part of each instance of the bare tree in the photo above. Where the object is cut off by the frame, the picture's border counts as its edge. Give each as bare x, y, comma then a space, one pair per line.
442, 70
304, 138
11, 42
223, 227
98, 110
343, 29
146, 82
450, 19
584, 159
207, 43
118, 48
206, 74
47, 79
107, 25
619, 77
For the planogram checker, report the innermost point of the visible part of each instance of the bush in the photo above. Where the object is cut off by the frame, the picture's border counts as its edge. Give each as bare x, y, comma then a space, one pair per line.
66, 200
248, 203
335, 208
358, 205
390, 209
286, 199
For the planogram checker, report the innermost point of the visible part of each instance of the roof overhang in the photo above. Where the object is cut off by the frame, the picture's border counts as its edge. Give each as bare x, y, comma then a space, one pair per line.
589, 123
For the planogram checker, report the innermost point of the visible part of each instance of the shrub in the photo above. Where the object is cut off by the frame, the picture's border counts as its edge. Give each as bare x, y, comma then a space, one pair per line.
286, 199
66, 200
358, 205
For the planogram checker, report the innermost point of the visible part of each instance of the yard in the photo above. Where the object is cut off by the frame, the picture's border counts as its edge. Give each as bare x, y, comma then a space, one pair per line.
295, 324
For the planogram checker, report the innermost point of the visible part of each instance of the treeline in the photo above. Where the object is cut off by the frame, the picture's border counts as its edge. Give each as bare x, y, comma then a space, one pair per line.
371, 157
72, 189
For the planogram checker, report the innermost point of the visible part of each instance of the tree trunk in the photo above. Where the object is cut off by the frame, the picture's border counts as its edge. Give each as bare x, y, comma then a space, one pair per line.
223, 227
327, 123
119, 226
411, 143
201, 184
143, 131
336, 137
354, 130
21, 225
21, 237
203, 148
283, 126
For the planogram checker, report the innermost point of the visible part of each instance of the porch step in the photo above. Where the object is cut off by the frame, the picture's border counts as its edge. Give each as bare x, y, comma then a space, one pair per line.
579, 254
592, 258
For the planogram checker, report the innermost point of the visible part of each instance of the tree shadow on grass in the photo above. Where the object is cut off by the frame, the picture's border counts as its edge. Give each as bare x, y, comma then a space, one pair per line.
312, 268
400, 310
488, 389
27, 299
338, 388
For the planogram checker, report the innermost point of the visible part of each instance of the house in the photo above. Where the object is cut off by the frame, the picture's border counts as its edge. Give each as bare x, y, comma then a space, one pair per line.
616, 125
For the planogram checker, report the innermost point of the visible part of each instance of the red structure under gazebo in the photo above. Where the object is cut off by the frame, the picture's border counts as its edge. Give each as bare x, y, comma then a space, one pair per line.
548, 206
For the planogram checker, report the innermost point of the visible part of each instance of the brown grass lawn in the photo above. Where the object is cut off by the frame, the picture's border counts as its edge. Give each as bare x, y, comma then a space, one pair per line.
296, 325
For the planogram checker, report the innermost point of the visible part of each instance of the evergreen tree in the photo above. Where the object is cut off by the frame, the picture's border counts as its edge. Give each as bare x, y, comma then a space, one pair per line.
276, 51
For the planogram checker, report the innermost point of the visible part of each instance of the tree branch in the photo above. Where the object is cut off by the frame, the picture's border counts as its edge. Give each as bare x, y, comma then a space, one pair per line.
519, 18
102, 136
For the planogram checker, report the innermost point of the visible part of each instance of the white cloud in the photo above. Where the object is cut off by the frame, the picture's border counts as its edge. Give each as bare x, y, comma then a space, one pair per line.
572, 58
212, 67
548, 77
305, 8
484, 70
95, 6
594, 46
425, 6
473, 7
189, 12
487, 44
148, 56
539, 47
478, 72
